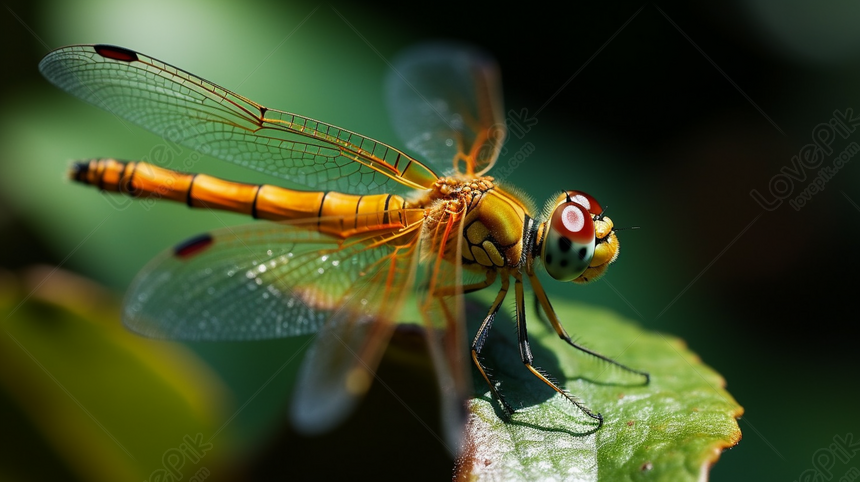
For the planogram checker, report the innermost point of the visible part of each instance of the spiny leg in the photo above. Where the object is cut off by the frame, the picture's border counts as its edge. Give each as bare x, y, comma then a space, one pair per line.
542, 298
528, 358
481, 338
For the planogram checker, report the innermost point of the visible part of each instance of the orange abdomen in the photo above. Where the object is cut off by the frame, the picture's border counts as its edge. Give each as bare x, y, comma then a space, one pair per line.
338, 214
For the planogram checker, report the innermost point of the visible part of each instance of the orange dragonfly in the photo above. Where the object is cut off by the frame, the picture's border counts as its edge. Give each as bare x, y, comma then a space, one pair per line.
341, 261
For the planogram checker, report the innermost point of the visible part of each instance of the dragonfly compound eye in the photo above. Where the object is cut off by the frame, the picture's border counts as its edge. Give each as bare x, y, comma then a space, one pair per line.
569, 244
583, 199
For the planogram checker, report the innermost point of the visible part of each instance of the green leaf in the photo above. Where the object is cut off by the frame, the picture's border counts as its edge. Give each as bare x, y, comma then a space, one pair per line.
672, 429
99, 401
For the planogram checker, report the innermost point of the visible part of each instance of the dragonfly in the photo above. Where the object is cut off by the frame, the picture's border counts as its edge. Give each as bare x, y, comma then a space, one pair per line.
377, 227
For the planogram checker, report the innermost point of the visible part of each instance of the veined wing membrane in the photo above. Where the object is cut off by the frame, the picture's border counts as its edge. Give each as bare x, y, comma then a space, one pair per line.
203, 116
445, 102
341, 364
258, 281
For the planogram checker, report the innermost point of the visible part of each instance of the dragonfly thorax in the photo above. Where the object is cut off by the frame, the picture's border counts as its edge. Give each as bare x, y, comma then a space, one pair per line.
494, 223
465, 189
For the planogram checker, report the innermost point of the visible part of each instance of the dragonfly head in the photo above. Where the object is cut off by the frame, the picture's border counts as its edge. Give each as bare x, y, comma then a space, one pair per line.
579, 241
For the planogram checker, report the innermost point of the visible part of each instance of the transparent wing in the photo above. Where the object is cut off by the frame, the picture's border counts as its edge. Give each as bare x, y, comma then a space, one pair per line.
443, 311
203, 116
258, 281
446, 104
341, 365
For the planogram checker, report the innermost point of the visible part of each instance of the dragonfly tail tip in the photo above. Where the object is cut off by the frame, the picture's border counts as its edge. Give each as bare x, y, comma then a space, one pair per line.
78, 171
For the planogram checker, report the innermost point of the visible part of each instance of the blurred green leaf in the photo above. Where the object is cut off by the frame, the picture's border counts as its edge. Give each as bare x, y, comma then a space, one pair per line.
111, 405
672, 429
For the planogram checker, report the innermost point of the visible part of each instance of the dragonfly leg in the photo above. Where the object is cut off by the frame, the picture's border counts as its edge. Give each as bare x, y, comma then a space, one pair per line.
543, 300
528, 358
466, 289
540, 313
481, 338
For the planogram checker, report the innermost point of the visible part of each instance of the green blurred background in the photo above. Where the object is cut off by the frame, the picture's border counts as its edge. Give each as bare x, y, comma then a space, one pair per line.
646, 123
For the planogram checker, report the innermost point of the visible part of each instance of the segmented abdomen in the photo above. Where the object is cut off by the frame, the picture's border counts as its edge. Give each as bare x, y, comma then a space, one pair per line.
334, 213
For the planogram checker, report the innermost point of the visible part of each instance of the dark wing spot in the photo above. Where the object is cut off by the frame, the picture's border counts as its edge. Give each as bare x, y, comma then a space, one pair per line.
193, 246
549, 258
564, 244
116, 53
563, 263
582, 253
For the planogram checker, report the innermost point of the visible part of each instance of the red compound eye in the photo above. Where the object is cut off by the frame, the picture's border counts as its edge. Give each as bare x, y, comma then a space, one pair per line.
586, 200
568, 247
572, 221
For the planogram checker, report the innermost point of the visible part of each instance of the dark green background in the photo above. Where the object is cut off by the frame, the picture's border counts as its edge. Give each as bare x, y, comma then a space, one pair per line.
649, 126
